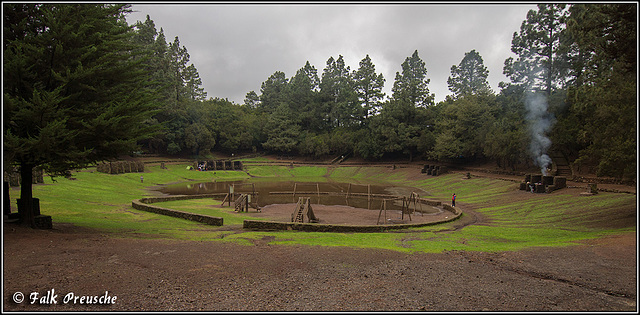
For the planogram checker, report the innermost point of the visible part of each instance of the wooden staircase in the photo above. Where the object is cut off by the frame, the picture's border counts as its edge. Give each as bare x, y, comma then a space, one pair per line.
303, 209
341, 158
242, 203
562, 167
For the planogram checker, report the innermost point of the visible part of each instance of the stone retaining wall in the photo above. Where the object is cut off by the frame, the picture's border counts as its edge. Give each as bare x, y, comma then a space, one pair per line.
13, 176
315, 227
120, 167
144, 205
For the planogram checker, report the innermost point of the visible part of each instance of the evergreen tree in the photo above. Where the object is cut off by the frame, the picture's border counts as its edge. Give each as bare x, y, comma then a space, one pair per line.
469, 77
252, 100
411, 87
603, 104
462, 127
539, 66
506, 138
303, 98
185, 78
337, 94
368, 86
177, 82
74, 90
282, 132
236, 127
272, 92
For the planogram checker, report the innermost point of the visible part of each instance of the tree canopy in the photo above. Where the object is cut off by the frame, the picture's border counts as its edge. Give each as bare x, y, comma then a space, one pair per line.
75, 88
470, 76
580, 56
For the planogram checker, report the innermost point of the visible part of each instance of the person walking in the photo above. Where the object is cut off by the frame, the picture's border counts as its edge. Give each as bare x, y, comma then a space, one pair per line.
453, 200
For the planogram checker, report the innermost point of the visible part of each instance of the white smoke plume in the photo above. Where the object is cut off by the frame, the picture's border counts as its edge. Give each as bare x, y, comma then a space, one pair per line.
540, 122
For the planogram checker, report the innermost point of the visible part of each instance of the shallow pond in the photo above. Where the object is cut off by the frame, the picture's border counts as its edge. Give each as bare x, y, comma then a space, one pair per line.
366, 196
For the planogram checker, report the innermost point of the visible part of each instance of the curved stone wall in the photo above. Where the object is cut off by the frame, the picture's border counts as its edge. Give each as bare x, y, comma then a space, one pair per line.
144, 204
316, 227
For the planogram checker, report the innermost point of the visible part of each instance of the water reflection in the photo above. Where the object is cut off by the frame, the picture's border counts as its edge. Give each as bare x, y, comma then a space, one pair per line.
366, 196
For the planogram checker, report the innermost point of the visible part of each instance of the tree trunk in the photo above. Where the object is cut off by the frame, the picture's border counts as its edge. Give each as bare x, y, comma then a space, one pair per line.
26, 195
7, 199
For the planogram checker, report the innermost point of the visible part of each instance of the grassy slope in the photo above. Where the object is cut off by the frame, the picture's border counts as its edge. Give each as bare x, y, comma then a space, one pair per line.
103, 202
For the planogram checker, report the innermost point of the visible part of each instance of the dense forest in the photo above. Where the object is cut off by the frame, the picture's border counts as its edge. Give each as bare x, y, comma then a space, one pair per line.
572, 93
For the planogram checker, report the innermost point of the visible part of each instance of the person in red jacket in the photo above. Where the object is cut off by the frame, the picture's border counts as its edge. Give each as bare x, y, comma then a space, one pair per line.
453, 200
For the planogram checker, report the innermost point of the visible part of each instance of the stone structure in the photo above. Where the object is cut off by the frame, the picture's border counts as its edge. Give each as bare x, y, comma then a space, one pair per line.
120, 167
342, 228
539, 183
14, 180
218, 165
144, 204
434, 170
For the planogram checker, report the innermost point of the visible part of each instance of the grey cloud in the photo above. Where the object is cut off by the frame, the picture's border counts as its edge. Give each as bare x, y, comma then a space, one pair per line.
237, 47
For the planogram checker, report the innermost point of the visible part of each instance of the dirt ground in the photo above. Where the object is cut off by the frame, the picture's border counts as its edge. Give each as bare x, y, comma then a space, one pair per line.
168, 275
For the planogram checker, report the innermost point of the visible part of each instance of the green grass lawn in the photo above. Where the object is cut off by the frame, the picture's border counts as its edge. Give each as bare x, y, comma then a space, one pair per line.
103, 202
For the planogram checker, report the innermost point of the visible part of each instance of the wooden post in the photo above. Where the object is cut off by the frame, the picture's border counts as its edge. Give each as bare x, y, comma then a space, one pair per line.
385, 210
383, 207
409, 210
295, 185
225, 199
318, 188
369, 197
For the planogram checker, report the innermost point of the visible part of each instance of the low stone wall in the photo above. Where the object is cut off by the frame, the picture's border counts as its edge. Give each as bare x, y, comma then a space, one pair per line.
120, 167
144, 205
13, 176
451, 209
149, 200
343, 228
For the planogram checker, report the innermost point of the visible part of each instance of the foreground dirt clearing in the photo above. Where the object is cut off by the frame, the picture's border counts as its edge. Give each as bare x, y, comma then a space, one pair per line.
162, 275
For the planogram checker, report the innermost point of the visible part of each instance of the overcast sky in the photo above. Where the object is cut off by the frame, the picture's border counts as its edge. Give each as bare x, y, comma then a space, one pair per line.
236, 47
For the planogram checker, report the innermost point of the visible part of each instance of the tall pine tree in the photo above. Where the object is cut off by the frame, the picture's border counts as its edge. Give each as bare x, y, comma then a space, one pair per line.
74, 90
470, 76
411, 86
368, 86
539, 66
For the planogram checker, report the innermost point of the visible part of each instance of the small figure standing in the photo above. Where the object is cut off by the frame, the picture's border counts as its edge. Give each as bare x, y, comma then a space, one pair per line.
532, 187
141, 179
453, 200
